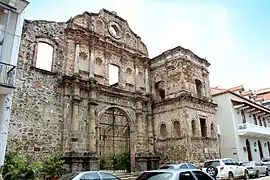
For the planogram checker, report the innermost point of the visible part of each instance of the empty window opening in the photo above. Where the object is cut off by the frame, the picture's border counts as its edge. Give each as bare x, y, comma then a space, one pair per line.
255, 119
44, 56
160, 92
243, 116
163, 131
212, 129
113, 74
176, 126
203, 127
198, 85
193, 126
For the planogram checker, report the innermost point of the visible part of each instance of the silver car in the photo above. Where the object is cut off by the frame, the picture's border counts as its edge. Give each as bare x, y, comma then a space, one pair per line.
87, 175
255, 169
179, 166
171, 174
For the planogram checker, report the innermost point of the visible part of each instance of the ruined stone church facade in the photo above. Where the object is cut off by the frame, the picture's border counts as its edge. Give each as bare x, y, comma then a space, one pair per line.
149, 109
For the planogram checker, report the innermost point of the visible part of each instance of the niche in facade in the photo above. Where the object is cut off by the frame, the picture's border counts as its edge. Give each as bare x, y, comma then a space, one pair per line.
160, 91
163, 131
198, 85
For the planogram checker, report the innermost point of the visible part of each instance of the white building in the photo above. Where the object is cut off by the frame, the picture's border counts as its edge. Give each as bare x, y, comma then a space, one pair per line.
244, 127
11, 22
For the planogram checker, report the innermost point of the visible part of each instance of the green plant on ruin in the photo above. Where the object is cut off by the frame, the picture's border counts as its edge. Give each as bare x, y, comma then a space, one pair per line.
54, 166
20, 167
121, 160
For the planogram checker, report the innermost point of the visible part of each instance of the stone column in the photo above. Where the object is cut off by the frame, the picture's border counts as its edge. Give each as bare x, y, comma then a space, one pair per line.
150, 128
147, 85
77, 59
92, 65
75, 114
92, 127
139, 115
137, 80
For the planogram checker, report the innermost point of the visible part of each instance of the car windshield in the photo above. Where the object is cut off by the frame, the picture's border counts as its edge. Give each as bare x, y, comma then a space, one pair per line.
68, 176
247, 163
156, 176
211, 163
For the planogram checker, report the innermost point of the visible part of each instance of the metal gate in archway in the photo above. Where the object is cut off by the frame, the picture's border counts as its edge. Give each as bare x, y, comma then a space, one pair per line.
114, 140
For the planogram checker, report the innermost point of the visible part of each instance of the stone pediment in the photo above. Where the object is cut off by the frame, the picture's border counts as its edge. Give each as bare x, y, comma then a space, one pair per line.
110, 27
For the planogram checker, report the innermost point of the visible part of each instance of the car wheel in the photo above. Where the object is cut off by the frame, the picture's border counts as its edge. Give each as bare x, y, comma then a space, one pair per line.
267, 172
246, 176
257, 174
230, 176
212, 171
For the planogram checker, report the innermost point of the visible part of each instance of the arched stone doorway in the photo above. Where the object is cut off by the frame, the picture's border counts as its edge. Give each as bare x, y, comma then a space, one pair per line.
260, 149
115, 139
248, 150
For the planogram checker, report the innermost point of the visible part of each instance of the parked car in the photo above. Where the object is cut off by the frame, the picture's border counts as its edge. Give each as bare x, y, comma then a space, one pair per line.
266, 162
255, 169
227, 169
89, 175
179, 166
172, 174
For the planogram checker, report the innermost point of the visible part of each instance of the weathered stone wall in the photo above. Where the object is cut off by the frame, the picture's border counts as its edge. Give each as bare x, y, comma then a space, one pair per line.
181, 91
36, 120
62, 109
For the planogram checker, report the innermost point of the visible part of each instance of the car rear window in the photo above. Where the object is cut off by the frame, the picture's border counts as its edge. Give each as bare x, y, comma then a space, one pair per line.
166, 167
156, 176
211, 163
69, 176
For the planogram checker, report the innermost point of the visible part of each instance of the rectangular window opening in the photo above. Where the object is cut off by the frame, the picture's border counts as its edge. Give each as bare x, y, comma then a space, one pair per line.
113, 74
203, 127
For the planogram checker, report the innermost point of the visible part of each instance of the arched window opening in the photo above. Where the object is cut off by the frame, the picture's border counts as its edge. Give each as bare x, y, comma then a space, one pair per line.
255, 119
198, 85
260, 149
160, 91
268, 145
264, 122
248, 150
260, 121
193, 126
44, 56
176, 126
163, 131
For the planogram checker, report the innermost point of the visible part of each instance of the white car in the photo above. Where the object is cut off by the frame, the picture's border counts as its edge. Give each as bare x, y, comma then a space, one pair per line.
227, 168
87, 175
255, 169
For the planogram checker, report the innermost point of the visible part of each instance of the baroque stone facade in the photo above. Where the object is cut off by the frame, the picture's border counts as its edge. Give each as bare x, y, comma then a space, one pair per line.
75, 106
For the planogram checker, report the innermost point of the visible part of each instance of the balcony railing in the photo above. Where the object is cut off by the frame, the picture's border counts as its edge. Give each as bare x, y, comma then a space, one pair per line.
252, 130
7, 72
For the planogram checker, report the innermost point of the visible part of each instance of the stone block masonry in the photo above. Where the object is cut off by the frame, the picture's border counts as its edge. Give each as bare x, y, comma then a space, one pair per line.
72, 107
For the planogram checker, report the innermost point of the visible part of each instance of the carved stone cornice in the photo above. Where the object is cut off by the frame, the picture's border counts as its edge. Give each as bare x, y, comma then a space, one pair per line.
185, 95
92, 103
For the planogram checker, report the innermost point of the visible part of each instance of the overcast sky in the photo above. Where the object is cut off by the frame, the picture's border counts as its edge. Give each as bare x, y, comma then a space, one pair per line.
233, 35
